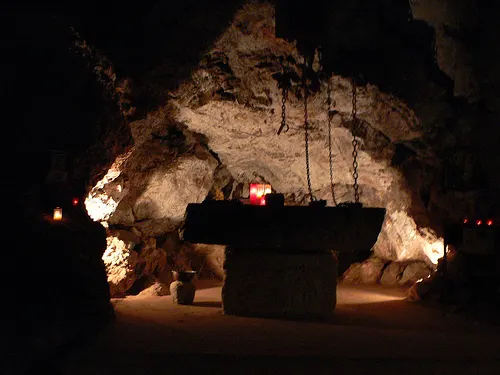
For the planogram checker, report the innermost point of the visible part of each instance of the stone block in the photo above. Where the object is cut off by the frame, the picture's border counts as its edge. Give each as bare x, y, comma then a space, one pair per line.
281, 285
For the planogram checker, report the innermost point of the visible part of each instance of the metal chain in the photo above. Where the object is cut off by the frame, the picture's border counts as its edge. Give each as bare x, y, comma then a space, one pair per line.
306, 127
330, 116
355, 143
284, 96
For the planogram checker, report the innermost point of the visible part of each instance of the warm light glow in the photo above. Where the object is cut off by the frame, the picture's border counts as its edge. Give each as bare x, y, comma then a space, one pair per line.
99, 204
479, 222
489, 222
258, 193
75, 201
434, 250
57, 214
466, 221
119, 260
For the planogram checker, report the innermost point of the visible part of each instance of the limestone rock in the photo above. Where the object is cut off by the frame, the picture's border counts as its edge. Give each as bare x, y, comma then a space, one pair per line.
231, 108
353, 274
123, 214
392, 273
242, 130
367, 272
414, 272
371, 270
151, 259
125, 266
157, 289
130, 238
120, 264
213, 260
168, 192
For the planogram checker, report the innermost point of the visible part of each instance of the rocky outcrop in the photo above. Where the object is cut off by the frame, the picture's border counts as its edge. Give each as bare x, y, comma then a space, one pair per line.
234, 100
217, 132
128, 262
155, 290
377, 271
414, 272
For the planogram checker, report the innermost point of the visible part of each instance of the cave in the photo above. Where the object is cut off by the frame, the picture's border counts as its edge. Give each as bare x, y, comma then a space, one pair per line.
128, 116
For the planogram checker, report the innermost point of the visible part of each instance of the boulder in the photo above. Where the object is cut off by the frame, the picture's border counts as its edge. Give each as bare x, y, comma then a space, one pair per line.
371, 270
367, 272
125, 266
392, 273
157, 289
415, 271
212, 260
121, 263
130, 238
353, 274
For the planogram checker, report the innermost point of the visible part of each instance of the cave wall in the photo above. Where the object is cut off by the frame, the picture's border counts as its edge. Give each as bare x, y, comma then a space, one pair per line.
419, 106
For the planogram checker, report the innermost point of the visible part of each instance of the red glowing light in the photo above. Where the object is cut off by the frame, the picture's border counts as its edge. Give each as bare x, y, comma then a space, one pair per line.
75, 201
258, 193
466, 221
479, 222
489, 222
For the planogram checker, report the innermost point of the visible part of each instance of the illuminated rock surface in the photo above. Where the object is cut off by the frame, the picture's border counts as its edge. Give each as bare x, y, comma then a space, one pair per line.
226, 115
235, 103
375, 271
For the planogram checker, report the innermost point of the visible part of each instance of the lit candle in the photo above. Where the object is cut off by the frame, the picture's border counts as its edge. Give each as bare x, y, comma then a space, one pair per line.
57, 214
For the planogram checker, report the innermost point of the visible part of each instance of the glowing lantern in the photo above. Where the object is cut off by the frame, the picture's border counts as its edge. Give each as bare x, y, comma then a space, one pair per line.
75, 201
479, 222
57, 214
258, 193
489, 222
466, 221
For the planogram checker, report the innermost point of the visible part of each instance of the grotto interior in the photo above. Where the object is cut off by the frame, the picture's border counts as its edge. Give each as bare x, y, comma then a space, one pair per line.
128, 116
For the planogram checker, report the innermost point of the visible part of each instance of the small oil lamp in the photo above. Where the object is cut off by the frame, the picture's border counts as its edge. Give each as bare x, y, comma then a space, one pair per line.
57, 214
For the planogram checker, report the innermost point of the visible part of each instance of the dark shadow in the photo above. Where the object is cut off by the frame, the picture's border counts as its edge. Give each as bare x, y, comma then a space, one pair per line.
216, 304
207, 283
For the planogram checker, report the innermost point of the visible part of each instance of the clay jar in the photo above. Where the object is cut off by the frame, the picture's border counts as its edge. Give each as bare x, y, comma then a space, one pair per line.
182, 288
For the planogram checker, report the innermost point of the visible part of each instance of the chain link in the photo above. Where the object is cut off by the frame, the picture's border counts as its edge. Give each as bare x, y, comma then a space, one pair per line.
306, 127
355, 143
284, 96
330, 116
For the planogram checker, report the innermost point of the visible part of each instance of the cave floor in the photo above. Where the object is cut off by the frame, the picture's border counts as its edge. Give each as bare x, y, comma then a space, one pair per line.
374, 331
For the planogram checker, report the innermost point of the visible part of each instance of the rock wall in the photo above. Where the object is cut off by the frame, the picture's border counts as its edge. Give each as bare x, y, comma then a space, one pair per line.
216, 132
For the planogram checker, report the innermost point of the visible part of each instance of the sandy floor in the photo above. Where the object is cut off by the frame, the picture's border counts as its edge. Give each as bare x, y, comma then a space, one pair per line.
374, 331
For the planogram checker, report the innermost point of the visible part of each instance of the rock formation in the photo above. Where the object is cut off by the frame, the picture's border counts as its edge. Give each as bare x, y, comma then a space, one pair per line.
225, 118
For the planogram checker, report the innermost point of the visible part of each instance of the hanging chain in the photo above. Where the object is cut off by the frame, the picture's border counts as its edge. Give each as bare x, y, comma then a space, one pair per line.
330, 116
355, 143
284, 84
306, 127
284, 96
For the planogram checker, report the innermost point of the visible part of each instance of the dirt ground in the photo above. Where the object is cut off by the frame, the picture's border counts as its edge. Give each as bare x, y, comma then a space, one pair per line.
374, 331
